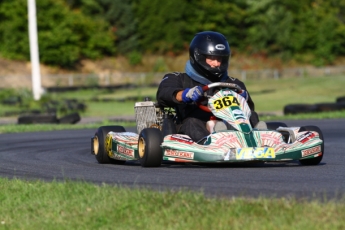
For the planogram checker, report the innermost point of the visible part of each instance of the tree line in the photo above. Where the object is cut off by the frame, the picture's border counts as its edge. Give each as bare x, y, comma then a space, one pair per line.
311, 31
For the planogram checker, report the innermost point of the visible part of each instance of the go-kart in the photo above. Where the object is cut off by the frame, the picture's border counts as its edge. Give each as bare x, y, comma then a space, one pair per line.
157, 141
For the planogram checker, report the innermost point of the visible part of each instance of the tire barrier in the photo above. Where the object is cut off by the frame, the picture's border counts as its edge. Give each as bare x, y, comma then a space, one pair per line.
38, 119
46, 114
340, 99
299, 108
26, 119
327, 107
126, 99
65, 106
72, 118
313, 108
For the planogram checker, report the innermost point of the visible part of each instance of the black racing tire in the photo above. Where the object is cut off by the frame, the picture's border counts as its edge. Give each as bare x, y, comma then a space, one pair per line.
327, 107
72, 118
299, 108
99, 145
273, 125
316, 160
149, 147
340, 99
38, 119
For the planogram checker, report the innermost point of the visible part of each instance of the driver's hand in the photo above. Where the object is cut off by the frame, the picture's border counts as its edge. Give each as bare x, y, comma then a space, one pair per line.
193, 94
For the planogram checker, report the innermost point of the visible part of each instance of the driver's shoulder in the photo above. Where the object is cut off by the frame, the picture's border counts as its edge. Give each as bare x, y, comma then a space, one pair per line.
171, 78
174, 76
235, 81
232, 79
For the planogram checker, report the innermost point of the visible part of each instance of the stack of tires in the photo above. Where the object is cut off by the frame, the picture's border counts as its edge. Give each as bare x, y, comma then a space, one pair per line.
48, 118
313, 108
69, 107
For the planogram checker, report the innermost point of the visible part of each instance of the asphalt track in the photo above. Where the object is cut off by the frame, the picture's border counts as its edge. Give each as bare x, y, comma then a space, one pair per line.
62, 155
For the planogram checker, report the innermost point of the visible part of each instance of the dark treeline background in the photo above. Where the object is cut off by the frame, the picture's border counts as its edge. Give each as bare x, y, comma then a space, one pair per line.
311, 31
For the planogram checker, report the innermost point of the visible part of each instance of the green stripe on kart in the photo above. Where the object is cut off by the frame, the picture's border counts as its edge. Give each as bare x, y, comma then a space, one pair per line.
248, 135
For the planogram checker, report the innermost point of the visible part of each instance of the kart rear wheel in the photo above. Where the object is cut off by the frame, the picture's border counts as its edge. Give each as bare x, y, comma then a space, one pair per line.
316, 160
149, 147
100, 147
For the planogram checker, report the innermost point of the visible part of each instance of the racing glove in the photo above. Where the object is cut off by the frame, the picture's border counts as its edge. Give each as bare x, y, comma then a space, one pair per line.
193, 94
244, 94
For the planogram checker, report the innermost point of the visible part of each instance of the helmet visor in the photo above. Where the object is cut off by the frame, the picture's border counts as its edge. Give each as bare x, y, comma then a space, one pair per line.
215, 64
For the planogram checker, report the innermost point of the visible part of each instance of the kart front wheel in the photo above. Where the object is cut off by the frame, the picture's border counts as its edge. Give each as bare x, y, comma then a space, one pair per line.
315, 160
149, 147
100, 146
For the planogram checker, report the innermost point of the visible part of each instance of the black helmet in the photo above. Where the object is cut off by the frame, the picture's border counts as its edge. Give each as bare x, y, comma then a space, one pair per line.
209, 43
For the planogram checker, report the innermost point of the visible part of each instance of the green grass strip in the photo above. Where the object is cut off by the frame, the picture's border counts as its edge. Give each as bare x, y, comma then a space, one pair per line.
79, 205
15, 128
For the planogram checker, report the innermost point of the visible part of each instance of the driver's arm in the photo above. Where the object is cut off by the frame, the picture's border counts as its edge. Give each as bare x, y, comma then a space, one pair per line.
179, 96
170, 90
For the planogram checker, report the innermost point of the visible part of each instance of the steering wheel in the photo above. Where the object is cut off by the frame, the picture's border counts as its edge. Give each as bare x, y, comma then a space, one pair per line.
218, 84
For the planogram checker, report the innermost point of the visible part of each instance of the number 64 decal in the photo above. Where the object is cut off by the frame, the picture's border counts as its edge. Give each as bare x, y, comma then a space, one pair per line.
225, 102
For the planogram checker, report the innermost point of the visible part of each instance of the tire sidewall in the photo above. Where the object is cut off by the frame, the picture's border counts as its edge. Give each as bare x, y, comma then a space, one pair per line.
152, 156
101, 133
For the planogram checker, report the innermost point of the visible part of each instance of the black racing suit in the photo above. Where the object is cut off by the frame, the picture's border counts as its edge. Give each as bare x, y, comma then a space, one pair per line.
193, 118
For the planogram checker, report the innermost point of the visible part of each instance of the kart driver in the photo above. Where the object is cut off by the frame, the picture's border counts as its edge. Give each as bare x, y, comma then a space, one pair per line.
209, 55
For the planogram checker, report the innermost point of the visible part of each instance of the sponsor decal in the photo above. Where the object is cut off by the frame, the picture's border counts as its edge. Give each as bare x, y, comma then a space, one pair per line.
307, 136
238, 114
181, 139
252, 153
179, 160
225, 102
230, 138
230, 155
128, 134
270, 137
220, 47
311, 151
181, 154
125, 151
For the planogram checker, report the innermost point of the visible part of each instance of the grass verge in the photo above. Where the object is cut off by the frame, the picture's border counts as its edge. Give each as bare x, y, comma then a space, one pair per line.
79, 205
14, 128
305, 116
268, 94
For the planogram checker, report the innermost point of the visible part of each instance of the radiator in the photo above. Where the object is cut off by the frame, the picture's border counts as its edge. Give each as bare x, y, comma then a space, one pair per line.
145, 115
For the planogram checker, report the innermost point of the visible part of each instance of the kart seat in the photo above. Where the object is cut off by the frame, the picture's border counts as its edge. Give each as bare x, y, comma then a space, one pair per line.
220, 125
261, 125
